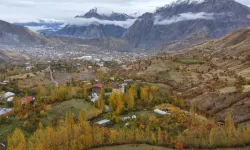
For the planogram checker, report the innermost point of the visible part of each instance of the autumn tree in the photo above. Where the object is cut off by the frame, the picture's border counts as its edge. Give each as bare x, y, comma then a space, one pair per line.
17, 141
116, 102
230, 129
100, 103
130, 98
86, 95
17, 105
145, 94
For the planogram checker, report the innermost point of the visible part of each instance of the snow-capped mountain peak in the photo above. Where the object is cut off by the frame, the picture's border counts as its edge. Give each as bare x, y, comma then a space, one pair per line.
105, 15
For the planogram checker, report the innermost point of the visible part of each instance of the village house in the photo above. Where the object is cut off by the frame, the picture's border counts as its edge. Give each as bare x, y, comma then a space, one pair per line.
160, 112
97, 88
5, 82
31, 99
128, 118
28, 68
8, 95
100, 64
128, 81
5, 111
116, 88
103, 122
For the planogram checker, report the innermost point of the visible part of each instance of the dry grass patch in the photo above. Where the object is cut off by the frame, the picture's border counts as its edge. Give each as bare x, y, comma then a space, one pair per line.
228, 90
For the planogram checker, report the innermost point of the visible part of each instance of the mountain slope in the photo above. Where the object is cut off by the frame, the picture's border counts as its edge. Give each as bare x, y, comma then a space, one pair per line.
12, 57
94, 25
189, 20
214, 76
92, 31
11, 34
235, 44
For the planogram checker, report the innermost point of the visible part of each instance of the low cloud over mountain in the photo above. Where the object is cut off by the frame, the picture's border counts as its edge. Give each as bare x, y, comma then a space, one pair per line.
183, 17
92, 20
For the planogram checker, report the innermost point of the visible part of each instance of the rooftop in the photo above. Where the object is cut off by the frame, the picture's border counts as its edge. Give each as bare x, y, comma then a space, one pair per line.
98, 85
102, 122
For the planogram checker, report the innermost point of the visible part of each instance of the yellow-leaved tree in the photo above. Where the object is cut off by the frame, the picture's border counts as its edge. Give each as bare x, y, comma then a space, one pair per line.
17, 141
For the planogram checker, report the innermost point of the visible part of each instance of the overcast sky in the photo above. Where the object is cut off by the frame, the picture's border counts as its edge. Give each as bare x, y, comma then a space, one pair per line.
18, 10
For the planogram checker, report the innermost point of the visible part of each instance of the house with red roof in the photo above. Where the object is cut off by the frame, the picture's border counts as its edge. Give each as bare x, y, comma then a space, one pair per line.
97, 88
31, 99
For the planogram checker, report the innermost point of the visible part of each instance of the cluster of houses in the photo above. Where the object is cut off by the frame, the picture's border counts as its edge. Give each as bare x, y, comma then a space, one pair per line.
5, 82
28, 66
9, 97
117, 88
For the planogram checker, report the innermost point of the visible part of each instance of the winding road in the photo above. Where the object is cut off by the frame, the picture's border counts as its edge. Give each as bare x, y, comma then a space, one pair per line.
51, 77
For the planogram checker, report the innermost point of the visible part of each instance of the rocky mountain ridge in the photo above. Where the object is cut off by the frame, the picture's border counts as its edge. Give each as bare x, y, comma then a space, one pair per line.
187, 19
93, 25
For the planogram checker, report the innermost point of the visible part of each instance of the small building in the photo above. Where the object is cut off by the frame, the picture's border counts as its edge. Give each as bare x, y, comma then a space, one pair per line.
31, 99
5, 111
160, 112
8, 94
129, 81
85, 58
128, 118
97, 88
100, 64
5, 82
116, 88
103, 122
94, 97
10, 99
28, 68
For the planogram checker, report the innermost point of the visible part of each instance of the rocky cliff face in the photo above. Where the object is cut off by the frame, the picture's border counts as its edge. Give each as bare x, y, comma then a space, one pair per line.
96, 25
189, 21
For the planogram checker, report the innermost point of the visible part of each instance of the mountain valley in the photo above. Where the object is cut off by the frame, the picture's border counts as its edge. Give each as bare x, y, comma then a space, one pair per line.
176, 78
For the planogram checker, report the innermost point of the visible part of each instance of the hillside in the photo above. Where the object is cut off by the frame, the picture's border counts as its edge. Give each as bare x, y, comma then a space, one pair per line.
12, 57
11, 34
214, 75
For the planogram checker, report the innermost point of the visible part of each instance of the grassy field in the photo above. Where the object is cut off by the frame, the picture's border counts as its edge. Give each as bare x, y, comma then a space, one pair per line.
132, 147
63, 77
190, 61
227, 90
29, 80
76, 106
